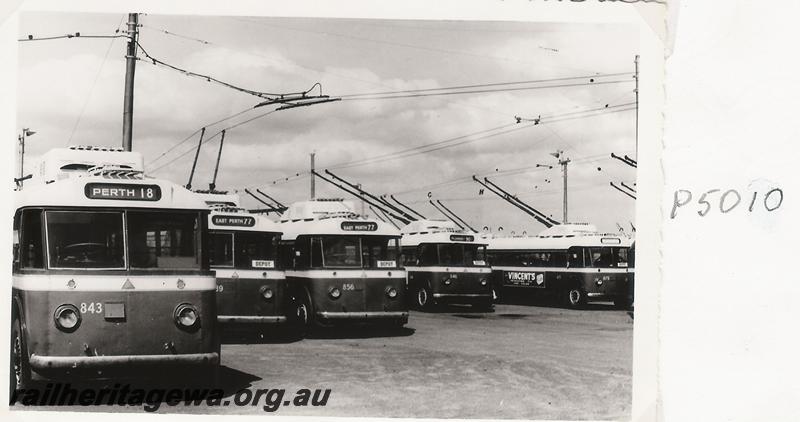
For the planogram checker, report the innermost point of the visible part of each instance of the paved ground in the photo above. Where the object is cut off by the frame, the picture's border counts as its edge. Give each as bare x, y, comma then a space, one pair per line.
518, 362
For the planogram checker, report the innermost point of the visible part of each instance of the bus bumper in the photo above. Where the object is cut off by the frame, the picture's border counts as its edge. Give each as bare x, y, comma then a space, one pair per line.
69, 363
363, 316
254, 319
467, 298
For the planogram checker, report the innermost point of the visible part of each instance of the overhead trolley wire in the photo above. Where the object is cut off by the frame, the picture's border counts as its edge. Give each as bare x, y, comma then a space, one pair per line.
486, 85
212, 137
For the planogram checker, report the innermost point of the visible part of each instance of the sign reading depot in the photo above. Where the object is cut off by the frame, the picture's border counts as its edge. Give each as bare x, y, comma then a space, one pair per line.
121, 191
524, 278
233, 220
359, 226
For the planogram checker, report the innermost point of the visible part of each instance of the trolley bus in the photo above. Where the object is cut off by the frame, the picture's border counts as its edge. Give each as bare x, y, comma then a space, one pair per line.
243, 251
110, 275
445, 264
572, 263
344, 267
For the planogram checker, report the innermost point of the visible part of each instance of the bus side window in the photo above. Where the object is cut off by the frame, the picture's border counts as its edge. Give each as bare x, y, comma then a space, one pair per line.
31, 248
575, 258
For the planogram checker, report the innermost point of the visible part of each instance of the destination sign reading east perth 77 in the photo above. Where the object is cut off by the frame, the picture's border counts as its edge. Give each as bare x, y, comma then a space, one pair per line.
359, 226
118, 191
238, 221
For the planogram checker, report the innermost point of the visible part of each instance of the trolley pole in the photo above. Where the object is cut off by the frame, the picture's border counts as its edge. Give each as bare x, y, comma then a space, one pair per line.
313, 177
130, 70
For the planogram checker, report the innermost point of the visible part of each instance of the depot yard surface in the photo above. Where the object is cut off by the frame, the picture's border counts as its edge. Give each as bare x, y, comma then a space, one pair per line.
517, 362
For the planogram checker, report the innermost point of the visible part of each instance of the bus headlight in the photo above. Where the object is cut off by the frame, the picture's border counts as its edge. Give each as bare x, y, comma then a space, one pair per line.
266, 292
67, 318
186, 315
334, 292
484, 282
391, 292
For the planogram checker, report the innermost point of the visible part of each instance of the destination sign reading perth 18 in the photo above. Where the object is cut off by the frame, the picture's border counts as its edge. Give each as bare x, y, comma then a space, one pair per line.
120, 191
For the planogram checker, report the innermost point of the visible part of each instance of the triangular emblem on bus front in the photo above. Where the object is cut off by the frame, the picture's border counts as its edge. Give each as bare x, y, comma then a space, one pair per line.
128, 284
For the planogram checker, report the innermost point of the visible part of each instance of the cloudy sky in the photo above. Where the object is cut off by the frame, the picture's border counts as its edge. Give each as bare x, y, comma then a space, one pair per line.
71, 91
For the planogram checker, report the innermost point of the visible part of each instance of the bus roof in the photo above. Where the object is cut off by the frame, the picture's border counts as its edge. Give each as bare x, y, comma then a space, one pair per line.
101, 191
329, 217
557, 242
436, 231
60, 163
101, 177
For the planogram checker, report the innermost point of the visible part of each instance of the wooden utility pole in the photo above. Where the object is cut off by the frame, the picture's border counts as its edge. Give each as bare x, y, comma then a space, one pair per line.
563, 161
130, 70
313, 177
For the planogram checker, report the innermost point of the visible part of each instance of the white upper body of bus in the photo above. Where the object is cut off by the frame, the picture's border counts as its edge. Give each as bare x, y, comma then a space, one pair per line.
329, 217
559, 237
436, 231
101, 177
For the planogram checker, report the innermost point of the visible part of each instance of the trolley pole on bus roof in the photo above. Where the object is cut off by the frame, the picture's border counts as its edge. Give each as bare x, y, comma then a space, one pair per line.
313, 178
130, 70
563, 161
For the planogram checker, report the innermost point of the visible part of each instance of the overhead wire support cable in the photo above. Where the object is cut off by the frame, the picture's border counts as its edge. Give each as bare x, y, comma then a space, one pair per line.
486, 85
75, 35
481, 91
289, 100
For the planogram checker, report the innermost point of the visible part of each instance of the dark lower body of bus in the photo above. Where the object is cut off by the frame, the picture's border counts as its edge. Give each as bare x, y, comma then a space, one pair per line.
249, 299
95, 327
573, 288
350, 297
429, 287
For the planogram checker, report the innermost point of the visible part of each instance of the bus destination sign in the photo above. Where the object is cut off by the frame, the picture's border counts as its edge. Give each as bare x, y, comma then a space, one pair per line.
233, 220
359, 226
461, 238
119, 191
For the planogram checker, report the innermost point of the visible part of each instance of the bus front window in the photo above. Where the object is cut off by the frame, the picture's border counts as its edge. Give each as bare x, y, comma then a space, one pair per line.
341, 252
379, 251
163, 240
84, 239
255, 250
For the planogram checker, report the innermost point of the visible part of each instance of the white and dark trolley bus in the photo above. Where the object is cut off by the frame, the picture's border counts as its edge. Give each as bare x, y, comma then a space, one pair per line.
344, 268
445, 264
110, 275
572, 262
243, 249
